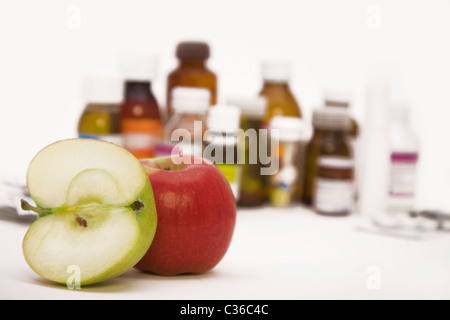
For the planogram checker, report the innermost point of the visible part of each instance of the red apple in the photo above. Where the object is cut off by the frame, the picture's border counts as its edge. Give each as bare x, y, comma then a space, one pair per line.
196, 216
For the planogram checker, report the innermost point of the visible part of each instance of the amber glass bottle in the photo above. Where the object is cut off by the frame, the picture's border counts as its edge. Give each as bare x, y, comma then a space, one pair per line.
330, 138
100, 117
251, 190
141, 125
276, 89
192, 71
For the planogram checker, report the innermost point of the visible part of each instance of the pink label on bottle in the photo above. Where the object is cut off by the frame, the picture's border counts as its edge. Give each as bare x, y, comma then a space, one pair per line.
406, 157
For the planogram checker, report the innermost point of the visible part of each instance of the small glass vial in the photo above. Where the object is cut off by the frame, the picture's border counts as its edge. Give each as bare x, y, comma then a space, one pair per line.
221, 143
291, 131
100, 118
253, 183
334, 186
185, 130
404, 156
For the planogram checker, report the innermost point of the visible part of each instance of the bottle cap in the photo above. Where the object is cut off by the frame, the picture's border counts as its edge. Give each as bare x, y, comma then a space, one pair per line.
250, 106
331, 118
276, 70
101, 89
223, 118
138, 66
192, 50
336, 162
190, 100
334, 97
290, 129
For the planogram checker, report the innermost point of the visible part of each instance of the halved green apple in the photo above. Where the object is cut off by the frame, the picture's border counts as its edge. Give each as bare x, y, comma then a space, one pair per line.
96, 211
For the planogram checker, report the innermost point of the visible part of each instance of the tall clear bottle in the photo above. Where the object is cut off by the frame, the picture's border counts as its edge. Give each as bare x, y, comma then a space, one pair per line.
404, 156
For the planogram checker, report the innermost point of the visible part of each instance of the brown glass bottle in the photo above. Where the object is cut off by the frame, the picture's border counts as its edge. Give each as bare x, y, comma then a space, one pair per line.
141, 125
330, 138
192, 71
276, 89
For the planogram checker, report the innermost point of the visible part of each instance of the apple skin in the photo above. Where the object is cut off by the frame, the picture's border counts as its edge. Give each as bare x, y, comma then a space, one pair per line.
196, 212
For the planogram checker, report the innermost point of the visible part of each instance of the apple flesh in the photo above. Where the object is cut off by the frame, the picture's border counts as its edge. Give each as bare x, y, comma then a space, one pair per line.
196, 216
95, 209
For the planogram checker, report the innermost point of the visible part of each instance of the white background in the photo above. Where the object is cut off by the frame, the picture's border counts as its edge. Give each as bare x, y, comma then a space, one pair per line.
46, 46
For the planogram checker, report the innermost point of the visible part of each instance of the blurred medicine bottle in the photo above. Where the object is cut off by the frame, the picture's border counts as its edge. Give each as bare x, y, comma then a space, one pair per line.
252, 184
330, 138
187, 126
291, 130
221, 143
404, 156
276, 89
141, 125
334, 186
100, 118
192, 71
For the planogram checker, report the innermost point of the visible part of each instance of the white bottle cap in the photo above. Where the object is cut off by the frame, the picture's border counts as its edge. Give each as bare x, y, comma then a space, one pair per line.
190, 100
290, 129
276, 70
250, 106
138, 66
101, 89
336, 96
224, 118
331, 118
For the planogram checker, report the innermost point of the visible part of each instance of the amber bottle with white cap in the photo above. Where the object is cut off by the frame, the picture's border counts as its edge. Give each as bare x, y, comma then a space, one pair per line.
141, 125
187, 126
330, 138
276, 75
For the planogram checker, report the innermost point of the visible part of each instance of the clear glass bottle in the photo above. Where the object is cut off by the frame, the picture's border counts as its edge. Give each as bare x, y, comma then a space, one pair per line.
186, 129
330, 138
404, 156
141, 124
221, 143
252, 185
276, 89
291, 131
100, 118
192, 71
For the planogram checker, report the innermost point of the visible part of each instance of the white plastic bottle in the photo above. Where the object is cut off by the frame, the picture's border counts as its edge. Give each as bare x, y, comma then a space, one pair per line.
404, 156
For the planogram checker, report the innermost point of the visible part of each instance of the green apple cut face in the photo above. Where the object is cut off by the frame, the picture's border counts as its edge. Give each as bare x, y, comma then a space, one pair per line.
96, 211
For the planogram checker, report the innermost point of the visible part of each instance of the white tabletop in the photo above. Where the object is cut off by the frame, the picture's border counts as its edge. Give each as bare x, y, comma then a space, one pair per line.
288, 253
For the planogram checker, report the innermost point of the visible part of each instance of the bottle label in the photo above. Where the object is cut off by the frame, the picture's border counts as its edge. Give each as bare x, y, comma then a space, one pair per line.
114, 138
403, 174
232, 174
334, 196
140, 136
